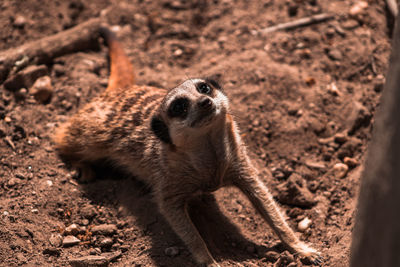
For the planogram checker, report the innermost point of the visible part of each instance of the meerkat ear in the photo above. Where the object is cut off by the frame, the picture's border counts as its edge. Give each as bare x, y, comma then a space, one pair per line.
160, 129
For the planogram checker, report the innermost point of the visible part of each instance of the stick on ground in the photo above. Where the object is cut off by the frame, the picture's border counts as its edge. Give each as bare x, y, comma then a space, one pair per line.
42, 51
298, 23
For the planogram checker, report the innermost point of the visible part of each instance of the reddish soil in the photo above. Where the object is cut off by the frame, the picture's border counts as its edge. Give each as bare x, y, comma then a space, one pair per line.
304, 99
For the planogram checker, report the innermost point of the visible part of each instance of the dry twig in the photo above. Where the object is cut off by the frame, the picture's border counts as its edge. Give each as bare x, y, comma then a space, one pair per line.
298, 23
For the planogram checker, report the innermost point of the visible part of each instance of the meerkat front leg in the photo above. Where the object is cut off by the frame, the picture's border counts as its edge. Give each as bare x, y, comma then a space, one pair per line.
247, 180
174, 208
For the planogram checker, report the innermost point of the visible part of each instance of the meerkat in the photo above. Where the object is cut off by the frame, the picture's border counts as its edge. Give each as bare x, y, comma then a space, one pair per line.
182, 143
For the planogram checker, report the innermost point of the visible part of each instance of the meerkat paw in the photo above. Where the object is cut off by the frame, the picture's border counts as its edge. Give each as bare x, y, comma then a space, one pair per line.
309, 253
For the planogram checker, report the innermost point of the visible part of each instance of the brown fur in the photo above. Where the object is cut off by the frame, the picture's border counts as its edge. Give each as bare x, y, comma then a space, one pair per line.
131, 128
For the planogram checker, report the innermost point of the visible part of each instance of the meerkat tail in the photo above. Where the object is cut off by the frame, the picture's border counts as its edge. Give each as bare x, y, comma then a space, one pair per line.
121, 70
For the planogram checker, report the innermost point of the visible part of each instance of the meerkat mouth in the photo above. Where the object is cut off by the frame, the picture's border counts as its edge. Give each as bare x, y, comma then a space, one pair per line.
204, 118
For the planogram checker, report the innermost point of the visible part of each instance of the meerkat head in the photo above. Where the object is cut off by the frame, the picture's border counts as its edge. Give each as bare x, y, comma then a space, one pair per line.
190, 110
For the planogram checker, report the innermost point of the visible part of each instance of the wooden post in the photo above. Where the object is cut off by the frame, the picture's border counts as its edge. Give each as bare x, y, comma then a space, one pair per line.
376, 236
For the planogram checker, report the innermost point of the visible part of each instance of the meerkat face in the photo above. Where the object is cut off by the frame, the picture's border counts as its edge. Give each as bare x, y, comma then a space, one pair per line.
190, 109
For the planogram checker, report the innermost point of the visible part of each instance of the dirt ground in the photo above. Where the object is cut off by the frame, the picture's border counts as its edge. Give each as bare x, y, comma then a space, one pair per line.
305, 101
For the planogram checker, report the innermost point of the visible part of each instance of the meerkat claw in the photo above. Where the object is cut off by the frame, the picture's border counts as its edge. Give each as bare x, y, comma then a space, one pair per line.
315, 258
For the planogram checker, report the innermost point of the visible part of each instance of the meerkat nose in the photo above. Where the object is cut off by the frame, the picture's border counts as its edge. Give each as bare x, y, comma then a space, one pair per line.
205, 103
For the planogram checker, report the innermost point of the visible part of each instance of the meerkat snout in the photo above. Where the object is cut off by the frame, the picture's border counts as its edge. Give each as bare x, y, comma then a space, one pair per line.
206, 104
204, 113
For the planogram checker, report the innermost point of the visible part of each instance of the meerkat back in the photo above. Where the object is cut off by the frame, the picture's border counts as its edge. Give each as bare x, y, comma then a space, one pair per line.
113, 124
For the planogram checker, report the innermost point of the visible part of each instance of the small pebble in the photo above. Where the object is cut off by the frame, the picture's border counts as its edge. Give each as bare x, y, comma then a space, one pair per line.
35, 211
19, 21
106, 242
178, 52
171, 251
124, 248
222, 39
358, 7
335, 54
340, 138
92, 251
351, 162
70, 240
340, 170
72, 229
104, 229
304, 224
42, 89
56, 240
350, 24
330, 32
315, 165
333, 90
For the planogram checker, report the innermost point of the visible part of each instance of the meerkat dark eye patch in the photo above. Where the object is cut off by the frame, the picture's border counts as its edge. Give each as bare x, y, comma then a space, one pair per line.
179, 108
204, 88
160, 129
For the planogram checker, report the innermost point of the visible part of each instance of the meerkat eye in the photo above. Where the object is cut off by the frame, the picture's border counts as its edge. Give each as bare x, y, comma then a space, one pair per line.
179, 108
204, 88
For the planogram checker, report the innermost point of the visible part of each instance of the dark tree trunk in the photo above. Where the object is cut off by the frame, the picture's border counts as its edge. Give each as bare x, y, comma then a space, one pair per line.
376, 237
